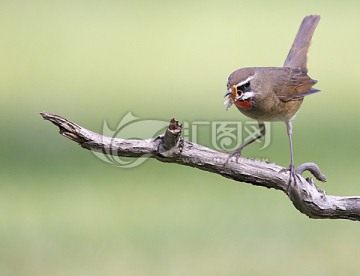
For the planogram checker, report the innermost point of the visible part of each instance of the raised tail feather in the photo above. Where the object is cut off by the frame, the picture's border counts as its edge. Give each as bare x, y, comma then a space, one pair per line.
297, 56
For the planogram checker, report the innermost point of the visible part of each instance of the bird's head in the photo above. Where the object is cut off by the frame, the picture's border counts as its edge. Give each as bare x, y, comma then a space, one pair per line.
240, 90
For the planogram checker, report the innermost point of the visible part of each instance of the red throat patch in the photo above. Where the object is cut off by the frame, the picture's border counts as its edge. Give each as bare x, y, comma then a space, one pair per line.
246, 104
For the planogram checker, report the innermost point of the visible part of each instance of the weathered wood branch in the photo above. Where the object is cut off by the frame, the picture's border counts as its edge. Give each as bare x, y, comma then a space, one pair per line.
170, 147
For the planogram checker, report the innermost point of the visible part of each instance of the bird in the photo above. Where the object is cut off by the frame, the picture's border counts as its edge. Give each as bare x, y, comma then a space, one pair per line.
275, 93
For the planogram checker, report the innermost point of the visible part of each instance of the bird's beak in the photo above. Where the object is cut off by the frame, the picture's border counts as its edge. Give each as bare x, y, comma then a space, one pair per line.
228, 92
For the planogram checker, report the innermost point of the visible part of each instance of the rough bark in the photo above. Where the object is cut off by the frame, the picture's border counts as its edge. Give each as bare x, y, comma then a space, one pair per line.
171, 148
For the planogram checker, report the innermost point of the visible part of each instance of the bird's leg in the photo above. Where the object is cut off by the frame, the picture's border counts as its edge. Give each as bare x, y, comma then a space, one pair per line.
289, 131
237, 152
291, 167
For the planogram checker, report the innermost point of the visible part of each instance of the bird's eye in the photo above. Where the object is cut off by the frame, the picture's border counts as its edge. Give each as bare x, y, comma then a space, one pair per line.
239, 90
244, 88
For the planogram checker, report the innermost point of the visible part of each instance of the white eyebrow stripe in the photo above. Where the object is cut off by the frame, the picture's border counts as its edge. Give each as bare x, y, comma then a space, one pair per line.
245, 81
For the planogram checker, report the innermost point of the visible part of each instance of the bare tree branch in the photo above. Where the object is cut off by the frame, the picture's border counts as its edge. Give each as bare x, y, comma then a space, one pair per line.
171, 148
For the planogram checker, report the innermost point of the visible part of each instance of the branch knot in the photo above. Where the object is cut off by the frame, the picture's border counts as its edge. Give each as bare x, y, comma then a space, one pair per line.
171, 142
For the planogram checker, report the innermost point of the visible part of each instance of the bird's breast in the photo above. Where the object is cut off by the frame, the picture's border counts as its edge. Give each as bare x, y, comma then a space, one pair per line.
269, 109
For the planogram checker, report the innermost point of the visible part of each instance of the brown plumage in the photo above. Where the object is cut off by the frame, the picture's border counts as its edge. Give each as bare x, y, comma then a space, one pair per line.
297, 57
279, 91
275, 93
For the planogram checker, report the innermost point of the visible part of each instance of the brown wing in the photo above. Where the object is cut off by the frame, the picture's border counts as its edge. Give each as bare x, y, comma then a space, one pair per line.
295, 85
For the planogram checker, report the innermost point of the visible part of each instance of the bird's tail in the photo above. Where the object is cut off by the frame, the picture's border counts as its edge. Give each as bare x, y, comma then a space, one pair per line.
297, 56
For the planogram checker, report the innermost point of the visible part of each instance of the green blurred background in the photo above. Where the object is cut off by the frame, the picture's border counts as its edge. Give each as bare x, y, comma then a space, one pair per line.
65, 212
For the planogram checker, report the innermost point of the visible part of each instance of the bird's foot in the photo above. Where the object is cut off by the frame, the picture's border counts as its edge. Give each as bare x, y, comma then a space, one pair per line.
236, 153
292, 178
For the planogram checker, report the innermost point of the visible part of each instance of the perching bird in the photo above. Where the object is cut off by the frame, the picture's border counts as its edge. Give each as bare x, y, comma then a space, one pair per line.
275, 93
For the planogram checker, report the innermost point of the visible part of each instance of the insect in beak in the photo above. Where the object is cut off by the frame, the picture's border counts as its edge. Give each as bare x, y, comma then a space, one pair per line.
232, 95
